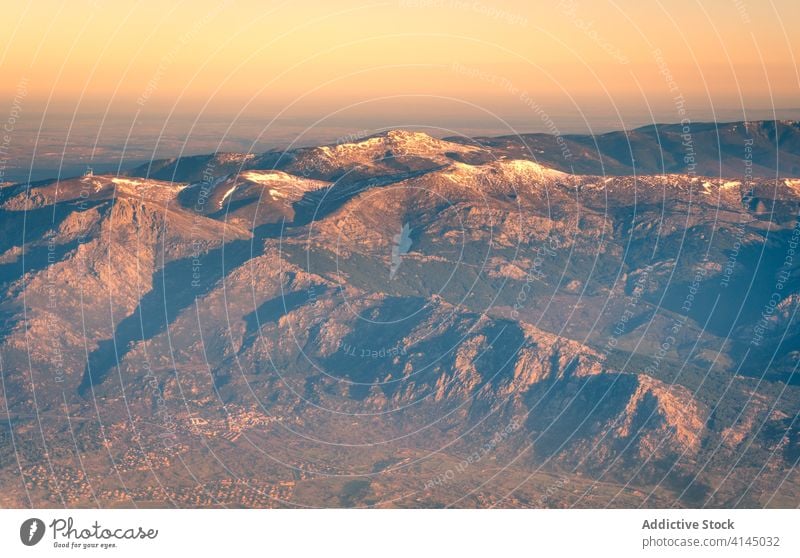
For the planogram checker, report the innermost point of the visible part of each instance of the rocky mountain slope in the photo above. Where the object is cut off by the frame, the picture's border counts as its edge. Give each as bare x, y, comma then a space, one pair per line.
402, 321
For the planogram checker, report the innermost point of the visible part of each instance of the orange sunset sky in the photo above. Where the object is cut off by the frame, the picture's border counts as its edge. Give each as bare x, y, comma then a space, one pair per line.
414, 60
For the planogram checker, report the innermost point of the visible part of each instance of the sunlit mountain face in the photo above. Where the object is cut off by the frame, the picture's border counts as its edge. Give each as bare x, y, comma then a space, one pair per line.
400, 320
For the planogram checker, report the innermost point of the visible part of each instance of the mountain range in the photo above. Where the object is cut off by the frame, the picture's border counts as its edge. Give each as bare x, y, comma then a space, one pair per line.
401, 320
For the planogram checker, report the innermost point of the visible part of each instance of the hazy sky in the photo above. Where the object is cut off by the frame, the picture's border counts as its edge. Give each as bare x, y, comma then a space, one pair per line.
459, 63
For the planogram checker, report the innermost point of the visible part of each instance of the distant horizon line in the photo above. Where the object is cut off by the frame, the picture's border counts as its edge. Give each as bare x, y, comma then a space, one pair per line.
72, 165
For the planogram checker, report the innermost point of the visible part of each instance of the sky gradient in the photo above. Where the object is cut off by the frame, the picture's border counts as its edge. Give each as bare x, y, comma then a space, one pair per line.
458, 64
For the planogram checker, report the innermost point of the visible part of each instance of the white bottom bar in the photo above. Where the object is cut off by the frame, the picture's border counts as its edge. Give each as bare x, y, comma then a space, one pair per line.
405, 533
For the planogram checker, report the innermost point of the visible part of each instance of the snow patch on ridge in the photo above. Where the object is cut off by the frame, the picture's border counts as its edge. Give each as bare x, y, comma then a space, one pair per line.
524, 167
262, 177
227, 194
150, 189
793, 184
